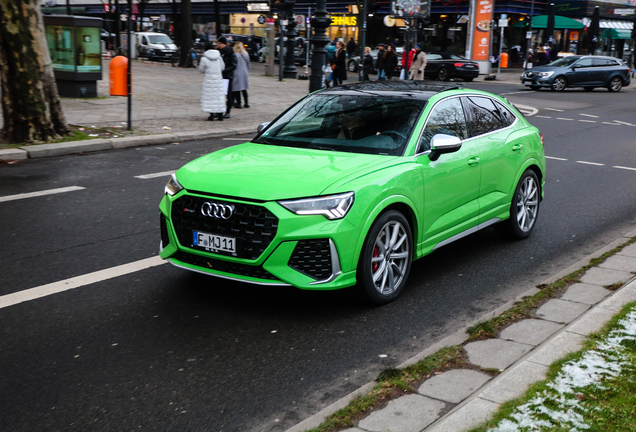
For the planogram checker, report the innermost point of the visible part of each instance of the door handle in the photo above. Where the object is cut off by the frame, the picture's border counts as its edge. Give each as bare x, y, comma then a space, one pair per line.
473, 161
517, 147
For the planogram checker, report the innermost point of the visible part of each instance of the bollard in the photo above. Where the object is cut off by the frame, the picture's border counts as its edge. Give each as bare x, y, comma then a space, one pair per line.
503, 60
118, 73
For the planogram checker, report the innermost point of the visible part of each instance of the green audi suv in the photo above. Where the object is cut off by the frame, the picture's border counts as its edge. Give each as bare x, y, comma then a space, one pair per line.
351, 184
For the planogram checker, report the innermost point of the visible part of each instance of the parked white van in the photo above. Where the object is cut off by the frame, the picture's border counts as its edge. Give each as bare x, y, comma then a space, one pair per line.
155, 46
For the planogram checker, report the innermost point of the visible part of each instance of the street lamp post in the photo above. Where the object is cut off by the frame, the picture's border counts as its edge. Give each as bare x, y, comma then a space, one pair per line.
319, 41
290, 70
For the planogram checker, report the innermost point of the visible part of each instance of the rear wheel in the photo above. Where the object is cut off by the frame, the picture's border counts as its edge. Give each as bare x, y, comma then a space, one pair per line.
386, 257
352, 66
615, 84
559, 84
442, 75
524, 208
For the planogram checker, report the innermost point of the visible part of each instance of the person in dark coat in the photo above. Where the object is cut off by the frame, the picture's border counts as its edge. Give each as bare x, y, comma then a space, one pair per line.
390, 62
340, 72
231, 61
351, 48
367, 64
379, 63
541, 57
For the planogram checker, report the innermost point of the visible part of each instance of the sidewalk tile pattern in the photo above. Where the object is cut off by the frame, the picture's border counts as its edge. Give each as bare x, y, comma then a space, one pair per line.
454, 385
561, 311
409, 413
495, 353
530, 331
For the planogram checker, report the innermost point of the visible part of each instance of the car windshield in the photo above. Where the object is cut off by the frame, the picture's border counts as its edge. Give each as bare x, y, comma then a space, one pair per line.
371, 124
565, 61
160, 39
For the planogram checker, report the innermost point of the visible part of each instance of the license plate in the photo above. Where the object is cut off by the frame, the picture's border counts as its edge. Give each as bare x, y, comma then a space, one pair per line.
214, 242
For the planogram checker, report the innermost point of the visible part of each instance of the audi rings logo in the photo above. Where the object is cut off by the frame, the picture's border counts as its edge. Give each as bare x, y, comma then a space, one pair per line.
216, 210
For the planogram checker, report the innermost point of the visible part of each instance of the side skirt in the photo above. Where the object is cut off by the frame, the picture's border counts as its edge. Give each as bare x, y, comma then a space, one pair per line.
467, 232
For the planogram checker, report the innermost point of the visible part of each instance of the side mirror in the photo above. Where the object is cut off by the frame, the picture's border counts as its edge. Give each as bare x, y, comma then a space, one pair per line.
262, 126
442, 143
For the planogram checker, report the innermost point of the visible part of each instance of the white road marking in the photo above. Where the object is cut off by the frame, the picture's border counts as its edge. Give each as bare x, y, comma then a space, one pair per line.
554, 109
622, 122
555, 158
590, 163
544, 117
588, 121
527, 111
40, 193
611, 123
561, 118
161, 174
625, 168
79, 281
588, 115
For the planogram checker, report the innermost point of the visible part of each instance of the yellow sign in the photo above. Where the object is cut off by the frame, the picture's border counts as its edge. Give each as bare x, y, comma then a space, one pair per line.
340, 20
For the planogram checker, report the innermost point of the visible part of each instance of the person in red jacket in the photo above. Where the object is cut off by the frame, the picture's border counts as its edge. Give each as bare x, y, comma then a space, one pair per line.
407, 60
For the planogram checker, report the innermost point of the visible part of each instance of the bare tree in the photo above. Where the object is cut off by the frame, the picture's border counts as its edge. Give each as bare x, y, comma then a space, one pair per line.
31, 106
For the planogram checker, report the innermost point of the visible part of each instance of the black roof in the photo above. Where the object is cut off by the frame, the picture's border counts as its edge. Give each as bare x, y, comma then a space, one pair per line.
395, 86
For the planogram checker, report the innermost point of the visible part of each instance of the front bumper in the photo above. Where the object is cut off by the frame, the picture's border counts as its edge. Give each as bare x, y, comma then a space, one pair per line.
531, 79
307, 252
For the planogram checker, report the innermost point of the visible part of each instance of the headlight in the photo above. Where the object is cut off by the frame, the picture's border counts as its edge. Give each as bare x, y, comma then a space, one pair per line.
173, 185
545, 74
332, 207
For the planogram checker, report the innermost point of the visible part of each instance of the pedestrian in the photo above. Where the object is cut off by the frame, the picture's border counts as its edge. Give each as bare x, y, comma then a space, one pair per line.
390, 62
230, 61
240, 83
379, 63
340, 64
407, 59
541, 57
351, 48
418, 66
212, 94
367, 64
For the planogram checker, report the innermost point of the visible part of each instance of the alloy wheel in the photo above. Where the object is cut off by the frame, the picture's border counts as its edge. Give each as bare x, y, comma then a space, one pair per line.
559, 84
390, 258
615, 84
527, 204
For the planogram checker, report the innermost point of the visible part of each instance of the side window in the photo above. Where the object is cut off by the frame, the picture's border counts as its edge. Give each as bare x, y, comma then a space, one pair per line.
586, 62
447, 118
507, 118
483, 116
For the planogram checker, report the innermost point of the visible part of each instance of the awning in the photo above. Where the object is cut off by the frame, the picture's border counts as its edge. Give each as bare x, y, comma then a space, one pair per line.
608, 24
560, 22
617, 33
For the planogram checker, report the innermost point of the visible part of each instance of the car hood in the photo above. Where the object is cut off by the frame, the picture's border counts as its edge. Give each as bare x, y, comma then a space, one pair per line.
265, 172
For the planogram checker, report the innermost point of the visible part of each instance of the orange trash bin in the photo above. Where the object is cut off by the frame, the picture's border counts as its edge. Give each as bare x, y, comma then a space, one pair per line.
504, 60
118, 73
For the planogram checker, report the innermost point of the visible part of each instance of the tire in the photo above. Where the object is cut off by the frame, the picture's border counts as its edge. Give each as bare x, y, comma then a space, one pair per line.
442, 74
524, 208
533, 87
352, 66
615, 84
559, 84
382, 275
588, 88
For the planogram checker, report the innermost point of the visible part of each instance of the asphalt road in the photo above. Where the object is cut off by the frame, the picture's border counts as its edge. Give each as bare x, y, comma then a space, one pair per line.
164, 349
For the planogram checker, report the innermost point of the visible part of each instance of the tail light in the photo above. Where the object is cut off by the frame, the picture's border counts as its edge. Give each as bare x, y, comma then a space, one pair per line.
542, 142
458, 64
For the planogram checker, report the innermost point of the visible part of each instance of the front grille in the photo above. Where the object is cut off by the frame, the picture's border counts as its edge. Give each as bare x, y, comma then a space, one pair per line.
165, 239
253, 226
312, 258
224, 266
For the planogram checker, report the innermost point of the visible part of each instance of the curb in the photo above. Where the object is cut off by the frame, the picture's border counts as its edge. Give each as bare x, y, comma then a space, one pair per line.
461, 336
75, 147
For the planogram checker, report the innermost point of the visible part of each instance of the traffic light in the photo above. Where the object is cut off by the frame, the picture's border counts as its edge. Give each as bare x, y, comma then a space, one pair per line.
527, 22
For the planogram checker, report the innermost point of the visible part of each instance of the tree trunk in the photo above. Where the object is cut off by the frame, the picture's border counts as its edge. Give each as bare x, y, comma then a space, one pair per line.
31, 106
186, 32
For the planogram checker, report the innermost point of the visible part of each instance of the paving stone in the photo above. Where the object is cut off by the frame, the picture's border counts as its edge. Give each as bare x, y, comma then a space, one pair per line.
558, 347
604, 277
410, 413
454, 385
495, 353
620, 262
629, 250
620, 298
514, 383
530, 331
585, 293
561, 311
466, 417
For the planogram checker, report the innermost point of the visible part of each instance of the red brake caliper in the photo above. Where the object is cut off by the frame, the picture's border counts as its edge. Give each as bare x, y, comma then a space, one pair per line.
376, 253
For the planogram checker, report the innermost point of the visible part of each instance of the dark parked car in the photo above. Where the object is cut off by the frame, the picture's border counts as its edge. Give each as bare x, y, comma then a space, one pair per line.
443, 66
251, 43
354, 63
579, 71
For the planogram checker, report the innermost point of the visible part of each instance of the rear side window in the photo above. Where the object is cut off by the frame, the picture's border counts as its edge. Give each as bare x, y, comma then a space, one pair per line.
507, 118
483, 116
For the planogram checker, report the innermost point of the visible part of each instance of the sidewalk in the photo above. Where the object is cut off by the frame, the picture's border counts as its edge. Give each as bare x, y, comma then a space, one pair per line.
166, 108
461, 399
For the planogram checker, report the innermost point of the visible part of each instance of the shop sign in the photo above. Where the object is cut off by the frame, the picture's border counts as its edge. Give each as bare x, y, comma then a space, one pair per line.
340, 20
388, 21
257, 7
623, 12
481, 43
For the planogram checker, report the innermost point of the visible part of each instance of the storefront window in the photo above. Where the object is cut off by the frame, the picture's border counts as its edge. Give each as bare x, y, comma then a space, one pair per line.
61, 47
88, 49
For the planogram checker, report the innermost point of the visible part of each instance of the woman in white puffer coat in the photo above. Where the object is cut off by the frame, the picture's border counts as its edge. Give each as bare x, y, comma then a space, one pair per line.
212, 96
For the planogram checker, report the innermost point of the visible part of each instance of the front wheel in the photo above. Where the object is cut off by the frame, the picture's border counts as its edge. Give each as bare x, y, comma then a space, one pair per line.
524, 208
386, 257
352, 66
559, 84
